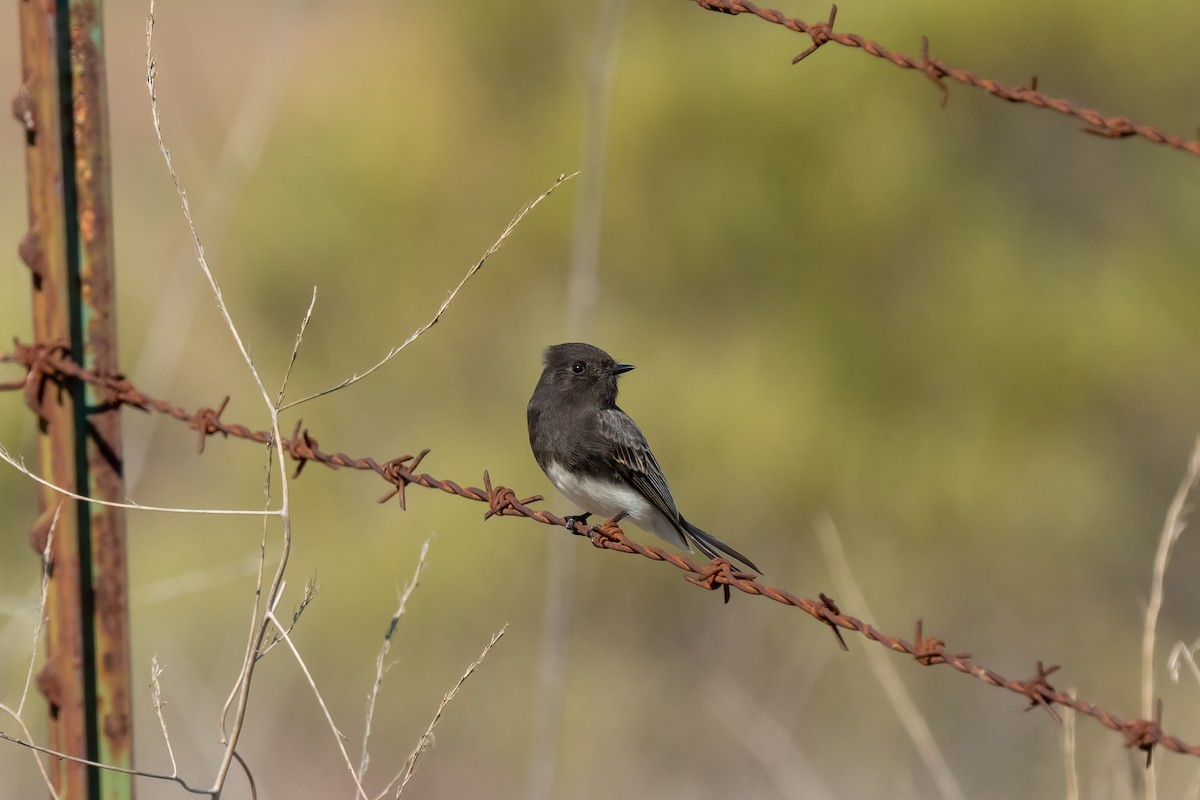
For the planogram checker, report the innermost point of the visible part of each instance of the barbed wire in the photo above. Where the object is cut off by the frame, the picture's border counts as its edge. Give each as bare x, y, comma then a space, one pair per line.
936, 70
49, 364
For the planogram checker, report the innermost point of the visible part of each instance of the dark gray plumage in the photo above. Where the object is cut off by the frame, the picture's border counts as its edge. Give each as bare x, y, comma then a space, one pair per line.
597, 456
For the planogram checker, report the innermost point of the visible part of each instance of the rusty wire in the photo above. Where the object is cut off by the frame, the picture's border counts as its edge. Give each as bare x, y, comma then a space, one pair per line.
49, 364
936, 70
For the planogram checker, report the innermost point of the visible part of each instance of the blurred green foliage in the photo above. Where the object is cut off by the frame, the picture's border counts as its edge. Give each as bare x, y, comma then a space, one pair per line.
968, 334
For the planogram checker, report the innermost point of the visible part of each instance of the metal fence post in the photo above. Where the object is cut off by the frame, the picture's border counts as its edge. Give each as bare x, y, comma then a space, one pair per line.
69, 249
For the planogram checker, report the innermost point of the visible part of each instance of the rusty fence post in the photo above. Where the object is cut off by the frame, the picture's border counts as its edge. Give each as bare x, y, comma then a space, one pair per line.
68, 248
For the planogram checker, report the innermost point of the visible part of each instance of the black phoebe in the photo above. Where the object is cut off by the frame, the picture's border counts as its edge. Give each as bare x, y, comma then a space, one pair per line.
597, 456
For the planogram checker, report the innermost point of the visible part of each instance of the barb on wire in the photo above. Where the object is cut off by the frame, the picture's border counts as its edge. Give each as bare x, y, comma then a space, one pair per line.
936, 70
49, 363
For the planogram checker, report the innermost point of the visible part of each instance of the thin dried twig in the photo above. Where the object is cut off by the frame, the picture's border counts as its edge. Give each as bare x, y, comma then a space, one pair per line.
151, 75
395, 351
426, 741
156, 672
141, 773
41, 608
258, 629
380, 660
312, 684
261, 90
19, 465
296, 348
311, 587
27, 742
17, 713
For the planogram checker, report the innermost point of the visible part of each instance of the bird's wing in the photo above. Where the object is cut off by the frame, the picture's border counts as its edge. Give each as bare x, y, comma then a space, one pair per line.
636, 462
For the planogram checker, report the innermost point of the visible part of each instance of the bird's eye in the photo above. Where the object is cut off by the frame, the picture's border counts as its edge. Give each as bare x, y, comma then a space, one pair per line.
577, 368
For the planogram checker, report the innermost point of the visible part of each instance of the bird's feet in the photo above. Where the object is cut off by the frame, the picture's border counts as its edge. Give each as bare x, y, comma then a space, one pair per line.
615, 520
569, 522
609, 528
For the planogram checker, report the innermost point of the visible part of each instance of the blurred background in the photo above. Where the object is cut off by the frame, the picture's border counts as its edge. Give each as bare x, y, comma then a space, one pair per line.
968, 335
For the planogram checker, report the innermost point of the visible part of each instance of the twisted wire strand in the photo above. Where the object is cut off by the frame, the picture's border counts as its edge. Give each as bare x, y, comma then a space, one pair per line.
49, 364
937, 71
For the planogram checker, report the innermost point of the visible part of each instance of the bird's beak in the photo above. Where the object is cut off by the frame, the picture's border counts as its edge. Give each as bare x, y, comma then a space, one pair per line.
619, 369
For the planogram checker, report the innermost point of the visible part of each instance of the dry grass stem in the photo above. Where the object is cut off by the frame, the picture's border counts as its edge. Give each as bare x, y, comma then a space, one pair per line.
1070, 751
884, 670
1172, 528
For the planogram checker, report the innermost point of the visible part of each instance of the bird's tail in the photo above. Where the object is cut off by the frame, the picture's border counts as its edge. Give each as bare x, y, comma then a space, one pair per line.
709, 545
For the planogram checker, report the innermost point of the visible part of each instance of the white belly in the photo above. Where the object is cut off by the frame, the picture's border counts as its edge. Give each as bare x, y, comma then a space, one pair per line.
609, 498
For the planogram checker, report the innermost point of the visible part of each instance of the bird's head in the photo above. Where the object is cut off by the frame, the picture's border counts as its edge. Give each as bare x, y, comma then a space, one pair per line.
581, 373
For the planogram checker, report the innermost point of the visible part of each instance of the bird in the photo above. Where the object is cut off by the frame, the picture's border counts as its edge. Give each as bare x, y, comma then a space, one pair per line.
597, 456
